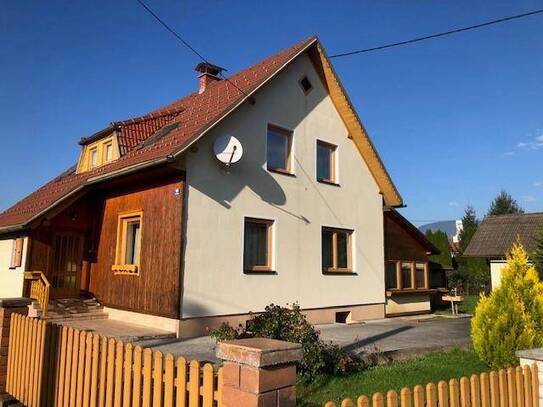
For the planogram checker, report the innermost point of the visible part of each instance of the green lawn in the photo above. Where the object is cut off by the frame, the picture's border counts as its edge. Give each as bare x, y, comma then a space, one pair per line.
431, 368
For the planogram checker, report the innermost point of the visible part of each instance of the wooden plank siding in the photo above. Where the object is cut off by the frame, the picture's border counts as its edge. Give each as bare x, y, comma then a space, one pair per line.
159, 194
400, 244
156, 288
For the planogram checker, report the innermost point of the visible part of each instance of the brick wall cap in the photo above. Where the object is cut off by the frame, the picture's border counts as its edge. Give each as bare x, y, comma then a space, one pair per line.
259, 352
15, 302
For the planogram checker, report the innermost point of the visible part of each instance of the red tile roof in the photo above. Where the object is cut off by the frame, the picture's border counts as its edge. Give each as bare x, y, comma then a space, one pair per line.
196, 113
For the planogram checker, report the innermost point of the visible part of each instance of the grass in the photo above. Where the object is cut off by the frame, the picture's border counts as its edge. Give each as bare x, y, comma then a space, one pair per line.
430, 368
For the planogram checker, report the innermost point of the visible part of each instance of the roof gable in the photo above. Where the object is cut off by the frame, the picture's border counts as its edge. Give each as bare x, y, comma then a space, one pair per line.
194, 115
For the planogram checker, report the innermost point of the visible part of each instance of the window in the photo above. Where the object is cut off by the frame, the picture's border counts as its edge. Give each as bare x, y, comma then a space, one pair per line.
16, 253
391, 280
93, 157
336, 249
306, 85
108, 152
326, 162
278, 149
257, 245
129, 231
420, 275
407, 271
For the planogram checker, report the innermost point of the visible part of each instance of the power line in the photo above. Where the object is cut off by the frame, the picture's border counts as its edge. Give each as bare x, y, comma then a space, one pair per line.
185, 43
442, 34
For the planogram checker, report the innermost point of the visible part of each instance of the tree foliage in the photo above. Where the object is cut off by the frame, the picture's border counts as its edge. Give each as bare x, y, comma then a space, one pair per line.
441, 241
469, 227
504, 204
537, 255
511, 317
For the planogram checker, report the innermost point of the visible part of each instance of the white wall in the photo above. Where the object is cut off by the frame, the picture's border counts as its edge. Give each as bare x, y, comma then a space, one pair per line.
11, 280
407, 304
496, 267
214, 282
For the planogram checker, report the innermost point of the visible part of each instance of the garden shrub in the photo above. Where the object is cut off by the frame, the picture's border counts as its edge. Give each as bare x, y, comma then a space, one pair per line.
511, 317
289, 324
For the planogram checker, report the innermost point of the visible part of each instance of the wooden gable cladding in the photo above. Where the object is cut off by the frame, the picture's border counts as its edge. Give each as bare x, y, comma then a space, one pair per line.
354, 126
400, 243
156, 288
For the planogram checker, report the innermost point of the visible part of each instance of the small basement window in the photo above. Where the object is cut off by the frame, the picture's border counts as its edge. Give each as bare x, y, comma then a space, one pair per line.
127, 255
257, 245
306, 85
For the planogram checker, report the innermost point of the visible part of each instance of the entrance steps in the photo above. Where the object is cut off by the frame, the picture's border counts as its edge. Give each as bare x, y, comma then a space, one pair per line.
69, 309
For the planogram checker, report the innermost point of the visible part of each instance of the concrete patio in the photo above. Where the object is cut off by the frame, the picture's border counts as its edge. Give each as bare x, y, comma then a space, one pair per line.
397, 338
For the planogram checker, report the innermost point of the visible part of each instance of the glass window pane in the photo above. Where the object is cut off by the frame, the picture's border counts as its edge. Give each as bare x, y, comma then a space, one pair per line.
255, 244
342, 250
132, 242
390, 275
327, 249
406, 275
109, 152
420, 279
277, 150
324, 162
94, 157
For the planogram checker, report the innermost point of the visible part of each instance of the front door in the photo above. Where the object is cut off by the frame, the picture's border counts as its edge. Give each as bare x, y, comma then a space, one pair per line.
66, 264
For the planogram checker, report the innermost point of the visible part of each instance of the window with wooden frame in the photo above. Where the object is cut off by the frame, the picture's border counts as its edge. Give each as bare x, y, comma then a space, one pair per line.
391, 275
257, 245
108, 152
279, 145
337, 250
326, 162
93, 157
129, 235
420, 276
16, 253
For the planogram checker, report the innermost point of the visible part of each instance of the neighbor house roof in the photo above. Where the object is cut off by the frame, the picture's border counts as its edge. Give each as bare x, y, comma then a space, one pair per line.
143, 141
496, 234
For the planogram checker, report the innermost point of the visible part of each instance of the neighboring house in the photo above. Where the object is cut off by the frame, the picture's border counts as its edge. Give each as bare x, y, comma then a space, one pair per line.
162, 233
410, 278
496, 235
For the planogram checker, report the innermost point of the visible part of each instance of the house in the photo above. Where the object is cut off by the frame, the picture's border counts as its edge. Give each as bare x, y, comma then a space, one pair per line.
496, 235
411, 279
163, 233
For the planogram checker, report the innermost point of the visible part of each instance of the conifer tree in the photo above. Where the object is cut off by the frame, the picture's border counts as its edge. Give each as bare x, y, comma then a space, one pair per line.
511, 317
504, 204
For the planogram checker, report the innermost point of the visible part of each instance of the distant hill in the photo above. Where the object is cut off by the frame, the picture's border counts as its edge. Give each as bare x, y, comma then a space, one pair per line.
447, 226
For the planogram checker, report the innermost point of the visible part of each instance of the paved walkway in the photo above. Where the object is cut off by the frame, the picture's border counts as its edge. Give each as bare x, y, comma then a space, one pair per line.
120, 330
398, 337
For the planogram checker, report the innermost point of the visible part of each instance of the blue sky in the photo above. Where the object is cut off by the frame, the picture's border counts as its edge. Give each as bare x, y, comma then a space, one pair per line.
455, 119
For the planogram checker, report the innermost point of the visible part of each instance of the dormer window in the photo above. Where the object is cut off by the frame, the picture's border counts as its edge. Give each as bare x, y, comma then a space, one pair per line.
93, 157
98, 153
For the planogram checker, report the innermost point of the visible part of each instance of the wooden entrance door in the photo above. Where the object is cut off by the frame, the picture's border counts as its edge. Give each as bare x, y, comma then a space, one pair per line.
66, 264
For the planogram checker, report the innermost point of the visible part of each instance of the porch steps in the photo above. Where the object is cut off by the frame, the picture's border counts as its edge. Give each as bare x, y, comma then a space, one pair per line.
68, 309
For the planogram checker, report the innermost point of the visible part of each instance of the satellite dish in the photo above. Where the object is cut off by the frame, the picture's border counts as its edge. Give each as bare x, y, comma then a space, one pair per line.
227, 149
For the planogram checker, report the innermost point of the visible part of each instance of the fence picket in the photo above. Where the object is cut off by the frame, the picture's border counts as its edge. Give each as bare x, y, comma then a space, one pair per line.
136, 390
392, 399
169, 383
494, 390
94, 370
535, 385
103, 372
194, 383
118, 381
504, 388
110, 375
68, 369
527, 393
207, 385
81, 367
442, 394
454, 391
181, 382
475, 391
519, 386
347, 403
405, 397
157, 380
511, 388
127, 381
418, 396
147, 371
88, 369
485, 390
431, 399
465, 397
363, 401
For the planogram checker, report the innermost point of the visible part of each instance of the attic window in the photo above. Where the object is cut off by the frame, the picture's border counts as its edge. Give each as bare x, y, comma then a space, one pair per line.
306, 85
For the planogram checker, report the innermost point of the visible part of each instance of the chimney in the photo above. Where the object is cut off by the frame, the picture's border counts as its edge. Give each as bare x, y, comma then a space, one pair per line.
209, 73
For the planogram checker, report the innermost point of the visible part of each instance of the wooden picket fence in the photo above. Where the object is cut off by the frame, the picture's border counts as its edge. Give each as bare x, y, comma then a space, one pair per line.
53, 365
514, 387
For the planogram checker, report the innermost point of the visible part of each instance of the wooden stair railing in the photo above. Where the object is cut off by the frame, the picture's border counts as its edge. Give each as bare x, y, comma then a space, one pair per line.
38, 287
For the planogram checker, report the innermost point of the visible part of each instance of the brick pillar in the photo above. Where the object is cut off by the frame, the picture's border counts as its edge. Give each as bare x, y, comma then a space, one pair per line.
259, 372
8, 306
